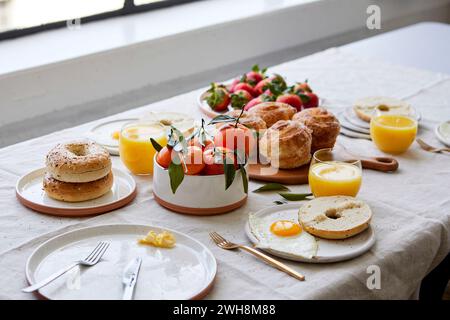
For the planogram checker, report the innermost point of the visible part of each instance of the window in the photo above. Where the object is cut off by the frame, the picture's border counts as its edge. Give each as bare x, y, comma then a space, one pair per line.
22, 17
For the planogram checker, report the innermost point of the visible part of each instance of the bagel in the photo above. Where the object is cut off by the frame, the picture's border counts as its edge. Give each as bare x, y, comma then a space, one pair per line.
76, 192
365, 108
336, 217
78, 162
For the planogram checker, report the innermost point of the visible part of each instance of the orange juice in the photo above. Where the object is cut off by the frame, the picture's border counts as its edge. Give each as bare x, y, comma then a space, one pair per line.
334, 178
135, 148
393, 133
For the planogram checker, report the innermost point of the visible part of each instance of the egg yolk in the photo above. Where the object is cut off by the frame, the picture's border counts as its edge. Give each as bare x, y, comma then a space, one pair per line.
285, 228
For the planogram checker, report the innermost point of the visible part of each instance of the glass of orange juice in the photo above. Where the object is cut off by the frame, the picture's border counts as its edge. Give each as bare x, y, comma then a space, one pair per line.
333, 172
393, 133
135, 149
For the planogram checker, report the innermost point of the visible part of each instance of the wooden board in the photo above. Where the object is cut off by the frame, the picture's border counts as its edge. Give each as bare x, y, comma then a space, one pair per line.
300, 175
285, 176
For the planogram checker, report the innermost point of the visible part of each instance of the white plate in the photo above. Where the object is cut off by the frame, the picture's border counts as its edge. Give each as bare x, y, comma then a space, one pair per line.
29, 191
328, 250
353, 134
186, 271
102, 134
439, 134
350, 126
351, 117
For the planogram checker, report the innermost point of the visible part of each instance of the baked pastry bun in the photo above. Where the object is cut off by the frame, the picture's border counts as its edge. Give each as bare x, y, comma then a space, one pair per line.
78, 162
76, 192
337, 217
323, 124
365, 108
286, 144
271, 112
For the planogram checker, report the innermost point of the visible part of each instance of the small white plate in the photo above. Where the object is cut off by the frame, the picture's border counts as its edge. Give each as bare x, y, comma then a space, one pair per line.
186, 271
328, 250
438, 131
102, 134
30, 193
206, 109
350, 126
351, 117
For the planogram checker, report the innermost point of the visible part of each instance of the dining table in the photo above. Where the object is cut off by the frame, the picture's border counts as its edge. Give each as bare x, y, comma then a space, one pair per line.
411, 206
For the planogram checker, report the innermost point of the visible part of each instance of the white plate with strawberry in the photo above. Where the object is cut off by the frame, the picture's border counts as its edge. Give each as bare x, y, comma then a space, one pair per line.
252, 88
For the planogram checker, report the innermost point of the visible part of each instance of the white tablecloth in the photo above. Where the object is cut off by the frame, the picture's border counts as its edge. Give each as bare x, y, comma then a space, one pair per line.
411, 206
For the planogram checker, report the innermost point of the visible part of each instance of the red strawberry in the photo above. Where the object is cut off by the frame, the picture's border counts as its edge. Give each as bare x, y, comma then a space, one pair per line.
291, 99
301, 87
245, 86
262, 86
234, 83
218, 97
309, 99
240, 98
256, 75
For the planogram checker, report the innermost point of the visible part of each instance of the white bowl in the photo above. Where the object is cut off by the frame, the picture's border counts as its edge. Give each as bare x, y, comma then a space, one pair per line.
198, 195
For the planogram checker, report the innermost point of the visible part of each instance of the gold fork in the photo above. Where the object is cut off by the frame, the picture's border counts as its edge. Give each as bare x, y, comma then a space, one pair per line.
425, 146
227, 245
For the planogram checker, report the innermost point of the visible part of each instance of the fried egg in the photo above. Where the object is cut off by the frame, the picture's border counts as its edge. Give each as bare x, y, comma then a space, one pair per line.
281, 231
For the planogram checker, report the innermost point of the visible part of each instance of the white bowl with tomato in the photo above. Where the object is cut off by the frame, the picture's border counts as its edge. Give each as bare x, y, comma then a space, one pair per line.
198, 177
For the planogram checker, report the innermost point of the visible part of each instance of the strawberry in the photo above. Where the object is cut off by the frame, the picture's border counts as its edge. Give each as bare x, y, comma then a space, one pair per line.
274, 83
218, 97
309, 99
245, 86
234, 83
240, 98
291, 99
301, 87
256, 75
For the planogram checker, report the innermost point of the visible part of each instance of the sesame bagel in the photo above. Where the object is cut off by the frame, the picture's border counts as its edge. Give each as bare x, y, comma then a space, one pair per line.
76, 192
78, 162
336, 217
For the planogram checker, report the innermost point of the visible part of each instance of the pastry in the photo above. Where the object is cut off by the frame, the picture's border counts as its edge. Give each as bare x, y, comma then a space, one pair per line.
272, 112
323, 124
286, 144
365, 108
336, 217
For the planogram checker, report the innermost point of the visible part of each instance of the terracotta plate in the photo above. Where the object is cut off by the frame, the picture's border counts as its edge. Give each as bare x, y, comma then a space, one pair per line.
186, 271
30, 193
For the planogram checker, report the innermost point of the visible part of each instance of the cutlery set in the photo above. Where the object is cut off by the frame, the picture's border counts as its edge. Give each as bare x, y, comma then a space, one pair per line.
129, 277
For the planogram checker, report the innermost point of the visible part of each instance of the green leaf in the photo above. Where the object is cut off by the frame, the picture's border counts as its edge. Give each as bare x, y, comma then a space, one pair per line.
295, 196
304, 97
230, 173
156, 145
272, 187
280, 202
222, 118
255, 68
176, 175
244, 179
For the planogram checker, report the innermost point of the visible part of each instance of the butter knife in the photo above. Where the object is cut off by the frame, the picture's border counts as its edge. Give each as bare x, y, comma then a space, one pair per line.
129, 278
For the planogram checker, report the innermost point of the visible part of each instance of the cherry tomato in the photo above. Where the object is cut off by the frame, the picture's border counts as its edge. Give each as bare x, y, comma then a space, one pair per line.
235, 138
193, 161
214, 159
164, 157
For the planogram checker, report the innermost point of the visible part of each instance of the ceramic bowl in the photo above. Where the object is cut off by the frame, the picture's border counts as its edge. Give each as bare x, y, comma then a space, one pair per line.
198, 195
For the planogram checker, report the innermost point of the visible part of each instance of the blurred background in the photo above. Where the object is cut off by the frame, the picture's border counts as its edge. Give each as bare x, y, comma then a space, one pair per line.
67, 62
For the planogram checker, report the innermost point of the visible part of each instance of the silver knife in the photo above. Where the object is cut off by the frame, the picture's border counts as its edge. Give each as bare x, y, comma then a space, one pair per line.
129, 278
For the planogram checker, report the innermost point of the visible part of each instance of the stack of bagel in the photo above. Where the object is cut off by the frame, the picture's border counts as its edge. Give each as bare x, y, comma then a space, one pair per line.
77, 171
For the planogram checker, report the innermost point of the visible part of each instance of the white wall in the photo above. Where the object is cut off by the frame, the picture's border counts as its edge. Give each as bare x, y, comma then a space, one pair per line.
56, 95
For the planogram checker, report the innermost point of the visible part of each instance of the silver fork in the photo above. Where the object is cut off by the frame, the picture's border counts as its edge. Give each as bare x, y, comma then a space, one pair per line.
425, 146
227, 245
89, 261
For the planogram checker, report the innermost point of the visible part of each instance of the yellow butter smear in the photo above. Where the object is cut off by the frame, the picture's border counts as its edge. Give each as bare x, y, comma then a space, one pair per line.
164, 239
